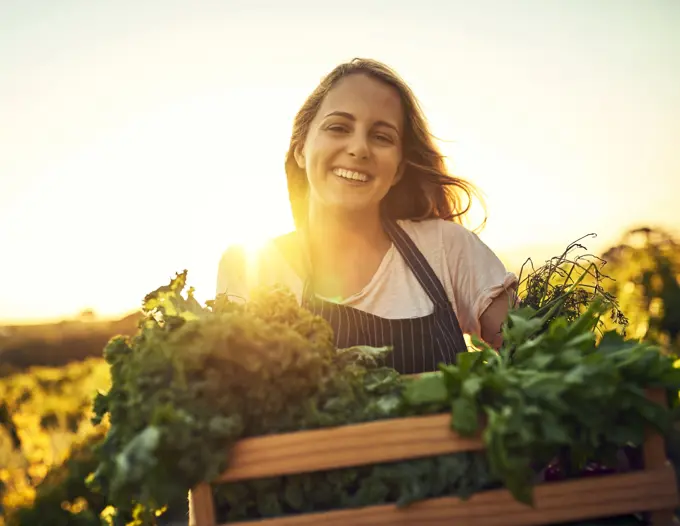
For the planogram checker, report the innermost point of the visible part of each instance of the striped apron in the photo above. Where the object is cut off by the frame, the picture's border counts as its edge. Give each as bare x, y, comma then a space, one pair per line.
419, 344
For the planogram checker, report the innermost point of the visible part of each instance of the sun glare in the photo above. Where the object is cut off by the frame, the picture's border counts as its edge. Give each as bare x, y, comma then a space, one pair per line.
133, 168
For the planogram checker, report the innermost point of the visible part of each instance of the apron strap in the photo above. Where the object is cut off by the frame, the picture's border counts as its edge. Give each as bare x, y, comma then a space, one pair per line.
447, 321
415, 260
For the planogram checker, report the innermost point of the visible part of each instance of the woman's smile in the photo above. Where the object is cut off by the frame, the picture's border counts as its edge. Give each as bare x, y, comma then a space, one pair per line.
351, 176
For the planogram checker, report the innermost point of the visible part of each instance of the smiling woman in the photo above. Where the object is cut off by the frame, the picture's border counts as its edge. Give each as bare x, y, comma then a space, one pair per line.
378, 249
339, 142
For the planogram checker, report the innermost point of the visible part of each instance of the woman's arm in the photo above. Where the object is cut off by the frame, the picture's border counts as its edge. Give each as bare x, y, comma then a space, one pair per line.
492, 320
232, 273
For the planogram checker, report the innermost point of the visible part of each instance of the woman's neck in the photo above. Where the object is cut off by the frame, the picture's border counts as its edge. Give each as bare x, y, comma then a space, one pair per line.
336, 233
345, 249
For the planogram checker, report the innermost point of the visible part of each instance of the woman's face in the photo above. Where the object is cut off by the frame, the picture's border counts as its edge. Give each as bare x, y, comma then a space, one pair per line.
353, 150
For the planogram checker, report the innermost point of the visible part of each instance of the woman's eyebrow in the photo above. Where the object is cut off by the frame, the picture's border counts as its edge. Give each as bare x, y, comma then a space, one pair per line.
351, 117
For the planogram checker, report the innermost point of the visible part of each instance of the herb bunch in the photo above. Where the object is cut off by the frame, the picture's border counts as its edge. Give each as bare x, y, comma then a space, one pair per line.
554, 386
572, 281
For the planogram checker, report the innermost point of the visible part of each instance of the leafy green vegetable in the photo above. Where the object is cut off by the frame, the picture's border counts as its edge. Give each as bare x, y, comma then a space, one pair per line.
403, 483
558, 389
195, 379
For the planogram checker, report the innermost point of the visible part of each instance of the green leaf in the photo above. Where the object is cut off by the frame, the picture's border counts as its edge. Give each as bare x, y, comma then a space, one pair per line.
294, 494
671, 379
520, 328
479, 343
626, 434
581, 341
554, 431
529, 348
472, 386
426, 389
466, 361
465, 417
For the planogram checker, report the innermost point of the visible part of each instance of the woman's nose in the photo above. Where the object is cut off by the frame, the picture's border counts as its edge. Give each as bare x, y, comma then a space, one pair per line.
358, 146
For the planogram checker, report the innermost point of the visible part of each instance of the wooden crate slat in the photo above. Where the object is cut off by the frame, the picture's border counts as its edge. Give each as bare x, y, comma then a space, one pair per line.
345, 446
603, 496
202, 506
653, 490
654, 451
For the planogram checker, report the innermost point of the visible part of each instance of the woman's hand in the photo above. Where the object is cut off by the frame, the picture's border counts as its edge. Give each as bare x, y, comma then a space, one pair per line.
492, 320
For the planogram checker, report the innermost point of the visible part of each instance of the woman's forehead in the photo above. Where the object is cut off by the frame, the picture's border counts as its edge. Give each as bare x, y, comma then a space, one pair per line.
366, 98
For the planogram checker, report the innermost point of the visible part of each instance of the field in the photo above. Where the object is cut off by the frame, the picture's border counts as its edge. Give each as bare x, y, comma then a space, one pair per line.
58, 344
50, 411
49, 375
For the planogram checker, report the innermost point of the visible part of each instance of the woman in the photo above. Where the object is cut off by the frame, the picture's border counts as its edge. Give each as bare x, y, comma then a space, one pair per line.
378, 250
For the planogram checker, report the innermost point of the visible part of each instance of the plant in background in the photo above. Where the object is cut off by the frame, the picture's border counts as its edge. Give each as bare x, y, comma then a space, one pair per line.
62, 498
46, 413
646, 268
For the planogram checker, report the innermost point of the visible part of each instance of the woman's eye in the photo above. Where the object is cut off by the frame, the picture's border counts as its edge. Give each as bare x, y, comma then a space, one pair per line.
341, 128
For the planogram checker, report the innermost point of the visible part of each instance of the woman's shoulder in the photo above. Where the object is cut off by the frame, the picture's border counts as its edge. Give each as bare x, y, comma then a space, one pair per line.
240, 254
242, 268
450, 242
438, 232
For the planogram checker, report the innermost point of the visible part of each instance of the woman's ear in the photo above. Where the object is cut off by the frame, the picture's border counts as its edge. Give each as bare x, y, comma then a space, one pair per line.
299, 157
400, 173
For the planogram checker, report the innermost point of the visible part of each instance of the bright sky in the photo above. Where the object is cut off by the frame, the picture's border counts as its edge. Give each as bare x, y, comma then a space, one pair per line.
139, 138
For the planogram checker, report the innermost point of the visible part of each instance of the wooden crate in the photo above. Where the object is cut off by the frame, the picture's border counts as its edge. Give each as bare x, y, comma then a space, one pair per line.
651, 490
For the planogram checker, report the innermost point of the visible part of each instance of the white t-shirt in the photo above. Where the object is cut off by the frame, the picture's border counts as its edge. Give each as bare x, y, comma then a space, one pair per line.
471, 273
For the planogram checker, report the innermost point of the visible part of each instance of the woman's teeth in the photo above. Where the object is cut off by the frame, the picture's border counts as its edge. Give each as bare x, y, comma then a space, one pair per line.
349, 174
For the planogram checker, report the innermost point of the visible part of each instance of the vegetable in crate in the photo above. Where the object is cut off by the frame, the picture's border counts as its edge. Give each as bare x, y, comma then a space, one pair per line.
196, 379
557, 388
